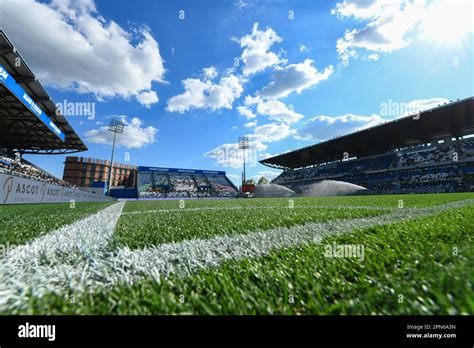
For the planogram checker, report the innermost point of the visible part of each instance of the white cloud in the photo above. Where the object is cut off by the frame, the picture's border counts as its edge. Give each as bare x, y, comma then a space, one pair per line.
390, 26
278, 111
321, 128
210, 73
241, 4
83, 52
365, 9
229, 155
456, 18
303, 48
271, 132
249, 100
394, 24
147, 98
245, 111
257, 55
133, 136
250, 124
373, 56
206, 94
274, 109
294, 78
265, 155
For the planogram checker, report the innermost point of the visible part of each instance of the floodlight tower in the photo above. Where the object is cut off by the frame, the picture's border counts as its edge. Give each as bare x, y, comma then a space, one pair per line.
115, 126
244, 145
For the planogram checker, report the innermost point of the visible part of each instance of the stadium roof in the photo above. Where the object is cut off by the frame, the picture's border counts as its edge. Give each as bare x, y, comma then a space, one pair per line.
455, 119
28, 118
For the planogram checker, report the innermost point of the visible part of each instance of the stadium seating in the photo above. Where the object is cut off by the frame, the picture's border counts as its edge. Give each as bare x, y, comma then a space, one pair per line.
431, 155
418, 169
25, 169
152, 194
161, 179
468, 144
201, 182
221, 186
180, 185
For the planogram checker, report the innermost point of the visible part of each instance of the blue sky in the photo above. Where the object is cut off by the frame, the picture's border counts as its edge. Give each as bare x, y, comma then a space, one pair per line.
189, 77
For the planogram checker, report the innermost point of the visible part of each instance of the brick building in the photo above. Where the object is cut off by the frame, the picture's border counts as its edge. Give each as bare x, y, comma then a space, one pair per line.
82, 171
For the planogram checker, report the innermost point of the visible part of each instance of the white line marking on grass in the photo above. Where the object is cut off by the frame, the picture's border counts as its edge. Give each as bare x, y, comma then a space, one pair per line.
189, 256
171, 210
50, 262
87, 265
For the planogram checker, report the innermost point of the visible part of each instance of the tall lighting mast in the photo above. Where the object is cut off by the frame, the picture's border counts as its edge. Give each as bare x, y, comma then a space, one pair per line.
243, 145
115, 126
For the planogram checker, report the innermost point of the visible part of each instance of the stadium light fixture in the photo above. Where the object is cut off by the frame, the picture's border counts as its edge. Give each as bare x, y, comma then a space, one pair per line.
243, 145
117, 127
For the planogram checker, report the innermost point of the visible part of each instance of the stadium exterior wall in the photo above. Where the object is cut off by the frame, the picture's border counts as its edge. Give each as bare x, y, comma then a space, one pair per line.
83, 172
16, 190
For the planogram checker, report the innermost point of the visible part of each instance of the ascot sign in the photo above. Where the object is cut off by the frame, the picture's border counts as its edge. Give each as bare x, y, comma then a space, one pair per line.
15, 190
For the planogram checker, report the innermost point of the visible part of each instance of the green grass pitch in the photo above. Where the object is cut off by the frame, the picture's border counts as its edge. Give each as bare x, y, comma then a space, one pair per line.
422, 263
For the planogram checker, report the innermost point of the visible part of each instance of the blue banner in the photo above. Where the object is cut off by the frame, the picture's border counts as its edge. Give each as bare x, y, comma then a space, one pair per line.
10, 83
177, 170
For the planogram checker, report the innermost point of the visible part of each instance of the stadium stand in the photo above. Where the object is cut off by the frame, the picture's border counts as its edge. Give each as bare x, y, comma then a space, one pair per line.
29, 119
222, 186
25, 169
183, 183
432, 153
30, 124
